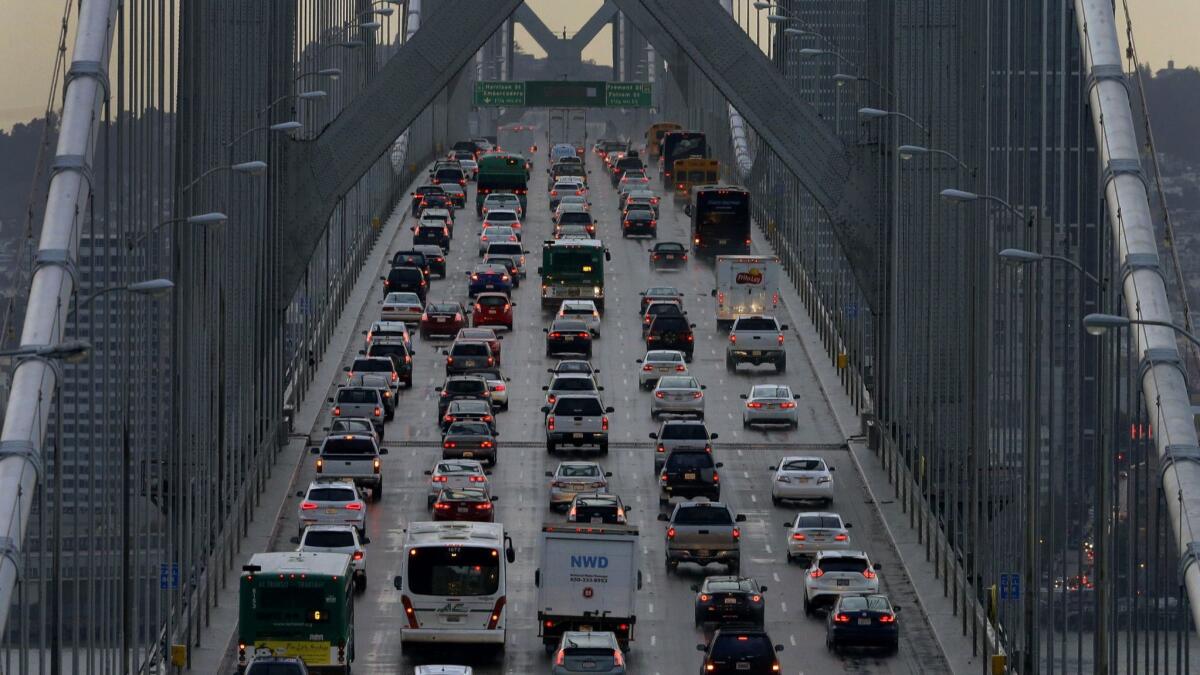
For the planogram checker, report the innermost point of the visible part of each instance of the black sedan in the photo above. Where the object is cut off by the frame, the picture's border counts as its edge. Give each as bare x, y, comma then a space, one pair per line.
469, 440
568, 336
467, 410
668, 255
729, 599
868, 620
598, 508
639, 222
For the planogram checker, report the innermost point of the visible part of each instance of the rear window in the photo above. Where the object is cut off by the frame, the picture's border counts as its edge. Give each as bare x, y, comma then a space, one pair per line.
674, 323
819, 521
577, 309
580, 407
505, 248
349, 446
569, 326
328, 494
843, 564
769, 391
680, 461
466, 386
327, 539
664, 308
274, 669
406, 273
408, 259
730, 586
742, 646
469, 429
587, 471
803, 465
501, 217
574, 384
442, 308
470, 349
448, 174
388, 349
457, 467
702, 515
372, 366
491, 301
689, 432
575, 218
755, 323
639, 213
357, 396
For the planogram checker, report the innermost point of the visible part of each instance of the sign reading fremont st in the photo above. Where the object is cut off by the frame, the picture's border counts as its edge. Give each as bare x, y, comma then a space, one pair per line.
562, 94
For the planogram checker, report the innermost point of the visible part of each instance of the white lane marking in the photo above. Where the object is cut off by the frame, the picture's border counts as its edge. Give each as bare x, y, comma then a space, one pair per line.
651, 607
753, 498
792, 639
783, 606
775, 575
767, 547
653, 639
741, 454
745, 474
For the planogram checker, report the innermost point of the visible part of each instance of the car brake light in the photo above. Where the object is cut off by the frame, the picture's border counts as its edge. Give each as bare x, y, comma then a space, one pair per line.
737, 534
441, 506
660, 448
704, 597
499, 387
753, 404
869, 573
647, 368
841, 618
839, 537
375, 465
443, 479
320, 465
337, 411
604, 423
449, 444
484, 506
691, 338
395, 376
780, 338
408, 611
560, 658
659, 394
787, 405
378, 412
550, 423
495, 618
799, 536
887, 618
817, 573
681, 368
556, 334
308, 506
670, 533
716, 477
485, 444
618, 658
697, 394
354, 506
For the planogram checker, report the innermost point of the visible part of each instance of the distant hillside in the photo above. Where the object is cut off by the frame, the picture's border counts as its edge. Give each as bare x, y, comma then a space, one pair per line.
1173, 96
19, 148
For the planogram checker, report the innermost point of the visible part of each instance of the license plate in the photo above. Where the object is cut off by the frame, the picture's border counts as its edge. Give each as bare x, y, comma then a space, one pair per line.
463, 509
664, 369
689, 476
597, 519
743, 666
731, 601
670, 256
756, 352
468, 453
589, 665
569, 338
864, 622
331, 511
577, 435
586, 628
441, 319
489, 285
725, 241
805, 480
843, 582
702, 554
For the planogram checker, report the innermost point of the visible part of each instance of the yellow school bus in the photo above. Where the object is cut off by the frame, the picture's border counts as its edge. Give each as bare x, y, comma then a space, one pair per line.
693, 171
654, 136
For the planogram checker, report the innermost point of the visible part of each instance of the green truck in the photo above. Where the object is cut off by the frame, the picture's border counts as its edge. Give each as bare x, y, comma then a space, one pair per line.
573, 269
501, 172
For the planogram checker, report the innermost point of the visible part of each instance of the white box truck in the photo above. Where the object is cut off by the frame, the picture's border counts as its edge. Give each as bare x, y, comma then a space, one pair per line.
588, 580
746, 285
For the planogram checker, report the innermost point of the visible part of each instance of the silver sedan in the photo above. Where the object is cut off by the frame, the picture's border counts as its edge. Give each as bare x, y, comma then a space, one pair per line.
770, 403
572, 478
659, 362
677, 394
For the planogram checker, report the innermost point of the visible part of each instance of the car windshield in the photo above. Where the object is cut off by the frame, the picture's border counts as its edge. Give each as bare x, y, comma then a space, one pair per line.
677, 383
579, 407
357, 395
843, 564
755, 323
332, 494
573, 384
690, 432
579, 470
770, 391
807, 522
681, 461
730, 586
466, 386
349, 446
742, 646
469, 429
806, 464
702, 515
329, 538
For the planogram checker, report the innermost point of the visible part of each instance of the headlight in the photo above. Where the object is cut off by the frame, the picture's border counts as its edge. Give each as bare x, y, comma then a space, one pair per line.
596, 291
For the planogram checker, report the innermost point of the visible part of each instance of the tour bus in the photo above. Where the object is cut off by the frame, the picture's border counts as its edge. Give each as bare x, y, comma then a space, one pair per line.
453, 584
680, 145
298, 604
654, 137
573, 269
720, 217
692, 171
501, 172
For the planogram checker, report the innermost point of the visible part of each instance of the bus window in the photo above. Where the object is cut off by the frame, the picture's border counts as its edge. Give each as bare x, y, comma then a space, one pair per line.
454, 571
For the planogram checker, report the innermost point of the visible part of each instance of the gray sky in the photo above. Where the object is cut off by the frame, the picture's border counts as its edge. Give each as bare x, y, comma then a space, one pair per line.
1165, 29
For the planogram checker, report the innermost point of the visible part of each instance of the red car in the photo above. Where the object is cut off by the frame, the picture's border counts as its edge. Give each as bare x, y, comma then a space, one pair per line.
482, 335
442, 318
473, 504
493, 309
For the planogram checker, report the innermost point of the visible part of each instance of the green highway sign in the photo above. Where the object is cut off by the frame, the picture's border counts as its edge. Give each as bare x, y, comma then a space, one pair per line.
627, 95
563, 94
499, 93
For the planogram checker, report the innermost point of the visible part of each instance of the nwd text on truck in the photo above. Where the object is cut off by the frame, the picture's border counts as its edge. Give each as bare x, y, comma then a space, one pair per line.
588, 580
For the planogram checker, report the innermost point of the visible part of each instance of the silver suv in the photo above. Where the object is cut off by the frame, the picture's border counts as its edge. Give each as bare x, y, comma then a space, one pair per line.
577, 421
355, 457
680, 435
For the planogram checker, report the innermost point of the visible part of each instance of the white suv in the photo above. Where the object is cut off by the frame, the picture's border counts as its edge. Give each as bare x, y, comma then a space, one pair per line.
339, 539
835, 573
583, 310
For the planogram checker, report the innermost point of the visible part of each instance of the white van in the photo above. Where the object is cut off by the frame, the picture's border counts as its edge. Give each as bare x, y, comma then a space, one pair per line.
747, 285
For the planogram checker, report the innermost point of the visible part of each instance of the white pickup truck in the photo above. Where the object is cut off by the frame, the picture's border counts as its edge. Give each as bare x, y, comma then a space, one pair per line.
756, 340
577, 420
354, 457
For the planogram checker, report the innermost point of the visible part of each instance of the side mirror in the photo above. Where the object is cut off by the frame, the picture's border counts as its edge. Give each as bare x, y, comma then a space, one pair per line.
324, 428
537, 578
383, 451
295, 540
526, 252
778, 648
831, 468
345, 369
704, 386
549, 474
783, 327
607, 255
545, 388
398, 583
739, 518
438, 388
878, 566
329, 400
714, 293
701, 648
654, 435
511, 304
796, 396
366, 540
713, 437
743, 397
362, 352
510, 555
300, 493
719, 465
896, 608
495, 499
847, 525
550, 370
546, 409
316, 451
428, 472
364, 332
663, 517
610, 409
638, 361
487, 473
601, 388
545, 330
445, 352
608, 474
692, 325
695, 588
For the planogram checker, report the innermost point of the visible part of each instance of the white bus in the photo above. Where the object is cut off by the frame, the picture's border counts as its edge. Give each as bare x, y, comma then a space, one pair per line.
453, 583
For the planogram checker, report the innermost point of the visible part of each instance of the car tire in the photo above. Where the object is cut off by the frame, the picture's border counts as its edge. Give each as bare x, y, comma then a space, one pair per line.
429, 502
551, 448
776, 501
745, 423
807, 607
790, 558
781, 365
653, 414
698, 620
730, 364
377, 492
604, 448
360, 584
671, 566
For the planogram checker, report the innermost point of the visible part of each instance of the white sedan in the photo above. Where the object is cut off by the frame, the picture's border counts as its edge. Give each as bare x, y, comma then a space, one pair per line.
802, 478
497, 384
584, 310
497, 234
455, 473
402, 306
659, 362
677, 394
813, 531
339, 539
770, 403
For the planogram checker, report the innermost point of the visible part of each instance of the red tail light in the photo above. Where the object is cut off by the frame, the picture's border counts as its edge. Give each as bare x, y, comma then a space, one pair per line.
485, 444
604, 423
375, 465
556, 334
670, 533
550, 423
337, 411
495, 618
478, 479
817, 573
484, 506
799, 536
443, 479
704, 597
869, 573
737, 533
378, 412
841, 618
449, 444
839, 537
660, 448
308, 506
887, 618
499, 387
691, 338
787, 405
697, 394
753, 404
395, 376
320, 465
681, 368
780, 338
716, 477
647, 368
732, 339
659, 394
358, 555
408, 612
354, 506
